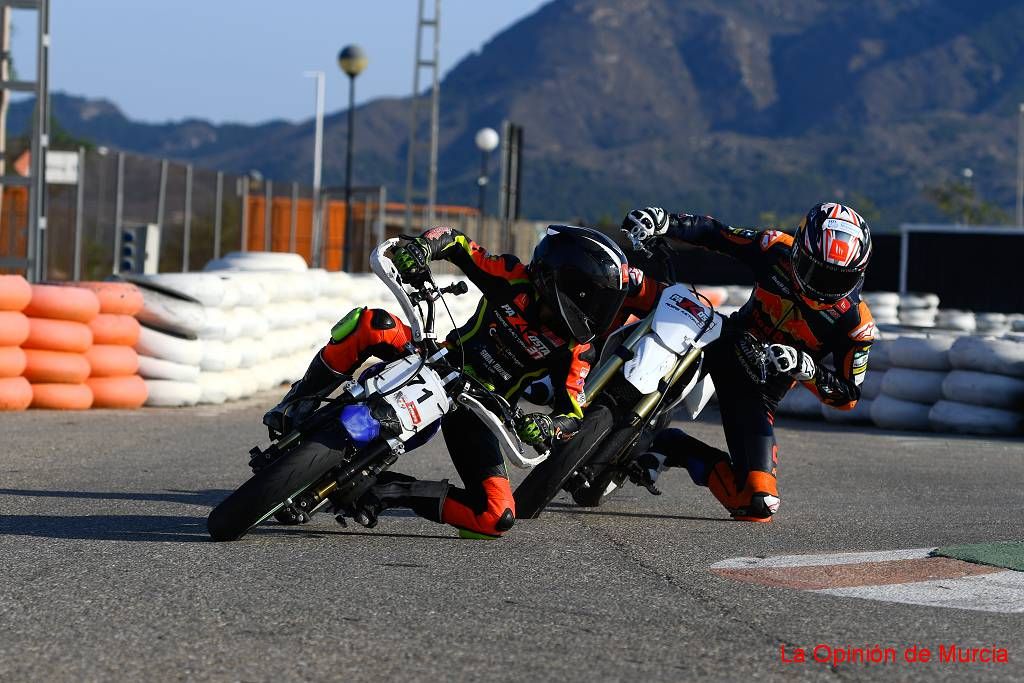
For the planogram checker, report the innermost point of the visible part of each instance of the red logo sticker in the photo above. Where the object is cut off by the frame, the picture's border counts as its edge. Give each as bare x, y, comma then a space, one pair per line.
838, 251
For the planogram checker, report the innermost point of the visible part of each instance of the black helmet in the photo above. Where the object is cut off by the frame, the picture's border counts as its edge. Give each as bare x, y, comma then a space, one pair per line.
583, 276
831, 250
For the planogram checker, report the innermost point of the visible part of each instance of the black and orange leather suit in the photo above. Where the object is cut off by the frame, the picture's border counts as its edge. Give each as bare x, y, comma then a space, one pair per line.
776, 313
506, 346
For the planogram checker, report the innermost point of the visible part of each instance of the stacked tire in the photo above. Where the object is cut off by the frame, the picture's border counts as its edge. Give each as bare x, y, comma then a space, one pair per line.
913, 383
884, 306
918, 309
58, 339
984, 392
15, 294
113, 361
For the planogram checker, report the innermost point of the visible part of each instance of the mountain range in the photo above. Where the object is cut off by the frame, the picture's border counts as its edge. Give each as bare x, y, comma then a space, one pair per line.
733, 107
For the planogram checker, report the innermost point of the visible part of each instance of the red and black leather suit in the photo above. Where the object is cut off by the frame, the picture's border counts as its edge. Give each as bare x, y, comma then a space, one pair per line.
775, 313
507, 345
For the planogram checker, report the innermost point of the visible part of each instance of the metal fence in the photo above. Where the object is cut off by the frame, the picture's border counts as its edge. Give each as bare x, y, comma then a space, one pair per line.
203, 214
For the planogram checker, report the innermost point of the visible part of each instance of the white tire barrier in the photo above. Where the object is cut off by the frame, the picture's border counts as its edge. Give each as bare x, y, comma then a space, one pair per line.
213, 388
169, 347
892, 413
881, 299
170, 313
259, 260
168, 394
994, 356
878, 358
951, 416
800, 402
930, 353
919, 386
984, 389
917, 318
956, 320
918, 301
872, 385
158, 368
207, 289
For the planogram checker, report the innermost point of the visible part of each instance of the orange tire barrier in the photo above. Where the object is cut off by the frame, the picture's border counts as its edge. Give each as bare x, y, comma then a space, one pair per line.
63, 303
107, 360
115, 328
12, 361
714, 294
57, 335
15, 292
55, 367
122, 298
15, 393
61, 396
13, 328
117, 392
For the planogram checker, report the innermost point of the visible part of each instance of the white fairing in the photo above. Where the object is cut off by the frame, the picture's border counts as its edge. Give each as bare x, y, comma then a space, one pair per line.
680, 318
420, 402
651, 361
511, 447
678, 322
695, 398
384, 269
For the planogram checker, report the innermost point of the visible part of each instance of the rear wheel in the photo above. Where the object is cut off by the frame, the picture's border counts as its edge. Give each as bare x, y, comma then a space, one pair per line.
547, 478
268, 489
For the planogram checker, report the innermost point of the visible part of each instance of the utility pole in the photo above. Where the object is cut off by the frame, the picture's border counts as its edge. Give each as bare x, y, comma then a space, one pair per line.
1020, 166
5, 97
423, 23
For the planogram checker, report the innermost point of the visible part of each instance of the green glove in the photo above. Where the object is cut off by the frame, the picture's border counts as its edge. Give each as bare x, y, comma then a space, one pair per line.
412, 257
534, 428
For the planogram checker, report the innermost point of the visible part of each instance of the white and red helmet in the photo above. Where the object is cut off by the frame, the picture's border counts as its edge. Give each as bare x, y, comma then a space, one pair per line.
831, 250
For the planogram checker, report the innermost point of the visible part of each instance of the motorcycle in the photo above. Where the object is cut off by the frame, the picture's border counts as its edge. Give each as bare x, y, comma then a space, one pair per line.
331, 458
646, 371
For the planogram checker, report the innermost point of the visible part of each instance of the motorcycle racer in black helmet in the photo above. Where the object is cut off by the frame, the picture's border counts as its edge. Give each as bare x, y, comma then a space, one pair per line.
805, 307
532, 321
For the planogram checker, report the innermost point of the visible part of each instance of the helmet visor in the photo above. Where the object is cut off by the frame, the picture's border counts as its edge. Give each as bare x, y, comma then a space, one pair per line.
823, 281
586, 309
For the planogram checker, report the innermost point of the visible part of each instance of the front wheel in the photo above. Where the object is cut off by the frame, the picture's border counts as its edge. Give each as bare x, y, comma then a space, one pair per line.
268, 489
545, 480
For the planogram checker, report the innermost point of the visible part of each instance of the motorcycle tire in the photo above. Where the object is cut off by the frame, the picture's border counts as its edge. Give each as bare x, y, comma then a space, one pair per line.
621, 442
264, 493
545, 480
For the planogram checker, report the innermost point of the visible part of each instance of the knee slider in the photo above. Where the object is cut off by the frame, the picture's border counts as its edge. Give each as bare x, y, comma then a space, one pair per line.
506, 521
381, 319
344, 328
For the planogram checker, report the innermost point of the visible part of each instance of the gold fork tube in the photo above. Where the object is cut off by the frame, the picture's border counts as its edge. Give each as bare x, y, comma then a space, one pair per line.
597, 379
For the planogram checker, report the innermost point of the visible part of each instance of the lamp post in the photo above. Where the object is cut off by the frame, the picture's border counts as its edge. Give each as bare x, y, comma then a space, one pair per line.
318, 161
486, 141
1020, 167
352, 61
968, 174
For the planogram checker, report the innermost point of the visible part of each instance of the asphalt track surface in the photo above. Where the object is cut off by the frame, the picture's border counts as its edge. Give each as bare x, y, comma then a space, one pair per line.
107, 573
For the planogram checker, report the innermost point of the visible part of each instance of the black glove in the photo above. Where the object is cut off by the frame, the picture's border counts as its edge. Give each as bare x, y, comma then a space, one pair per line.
794, 362
535, 429
411, 259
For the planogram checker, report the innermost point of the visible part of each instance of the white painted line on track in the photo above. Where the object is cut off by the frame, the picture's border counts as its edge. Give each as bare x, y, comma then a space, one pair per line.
822, 560
998, 592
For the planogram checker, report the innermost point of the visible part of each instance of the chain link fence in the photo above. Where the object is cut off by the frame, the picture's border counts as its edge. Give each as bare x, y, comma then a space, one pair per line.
203, 214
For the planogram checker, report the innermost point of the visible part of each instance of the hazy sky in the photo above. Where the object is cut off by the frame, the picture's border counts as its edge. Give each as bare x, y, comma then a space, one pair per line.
235, 60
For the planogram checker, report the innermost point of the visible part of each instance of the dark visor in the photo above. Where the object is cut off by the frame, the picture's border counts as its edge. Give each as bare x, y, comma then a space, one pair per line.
823, 281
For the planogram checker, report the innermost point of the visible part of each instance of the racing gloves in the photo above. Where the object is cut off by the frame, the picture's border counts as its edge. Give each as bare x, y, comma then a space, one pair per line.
645, 223
411, 258
535, 429
797, 364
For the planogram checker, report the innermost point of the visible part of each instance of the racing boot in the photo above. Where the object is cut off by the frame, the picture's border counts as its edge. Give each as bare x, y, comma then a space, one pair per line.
644, 471
304, 396
760, 498
397, 490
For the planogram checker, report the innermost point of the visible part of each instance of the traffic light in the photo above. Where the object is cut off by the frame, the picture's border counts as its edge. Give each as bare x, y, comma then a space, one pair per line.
140, 249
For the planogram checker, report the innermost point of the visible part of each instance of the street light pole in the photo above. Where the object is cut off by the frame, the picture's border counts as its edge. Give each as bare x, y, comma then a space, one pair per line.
486, 140
318, 163
1020, 166
352, 61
